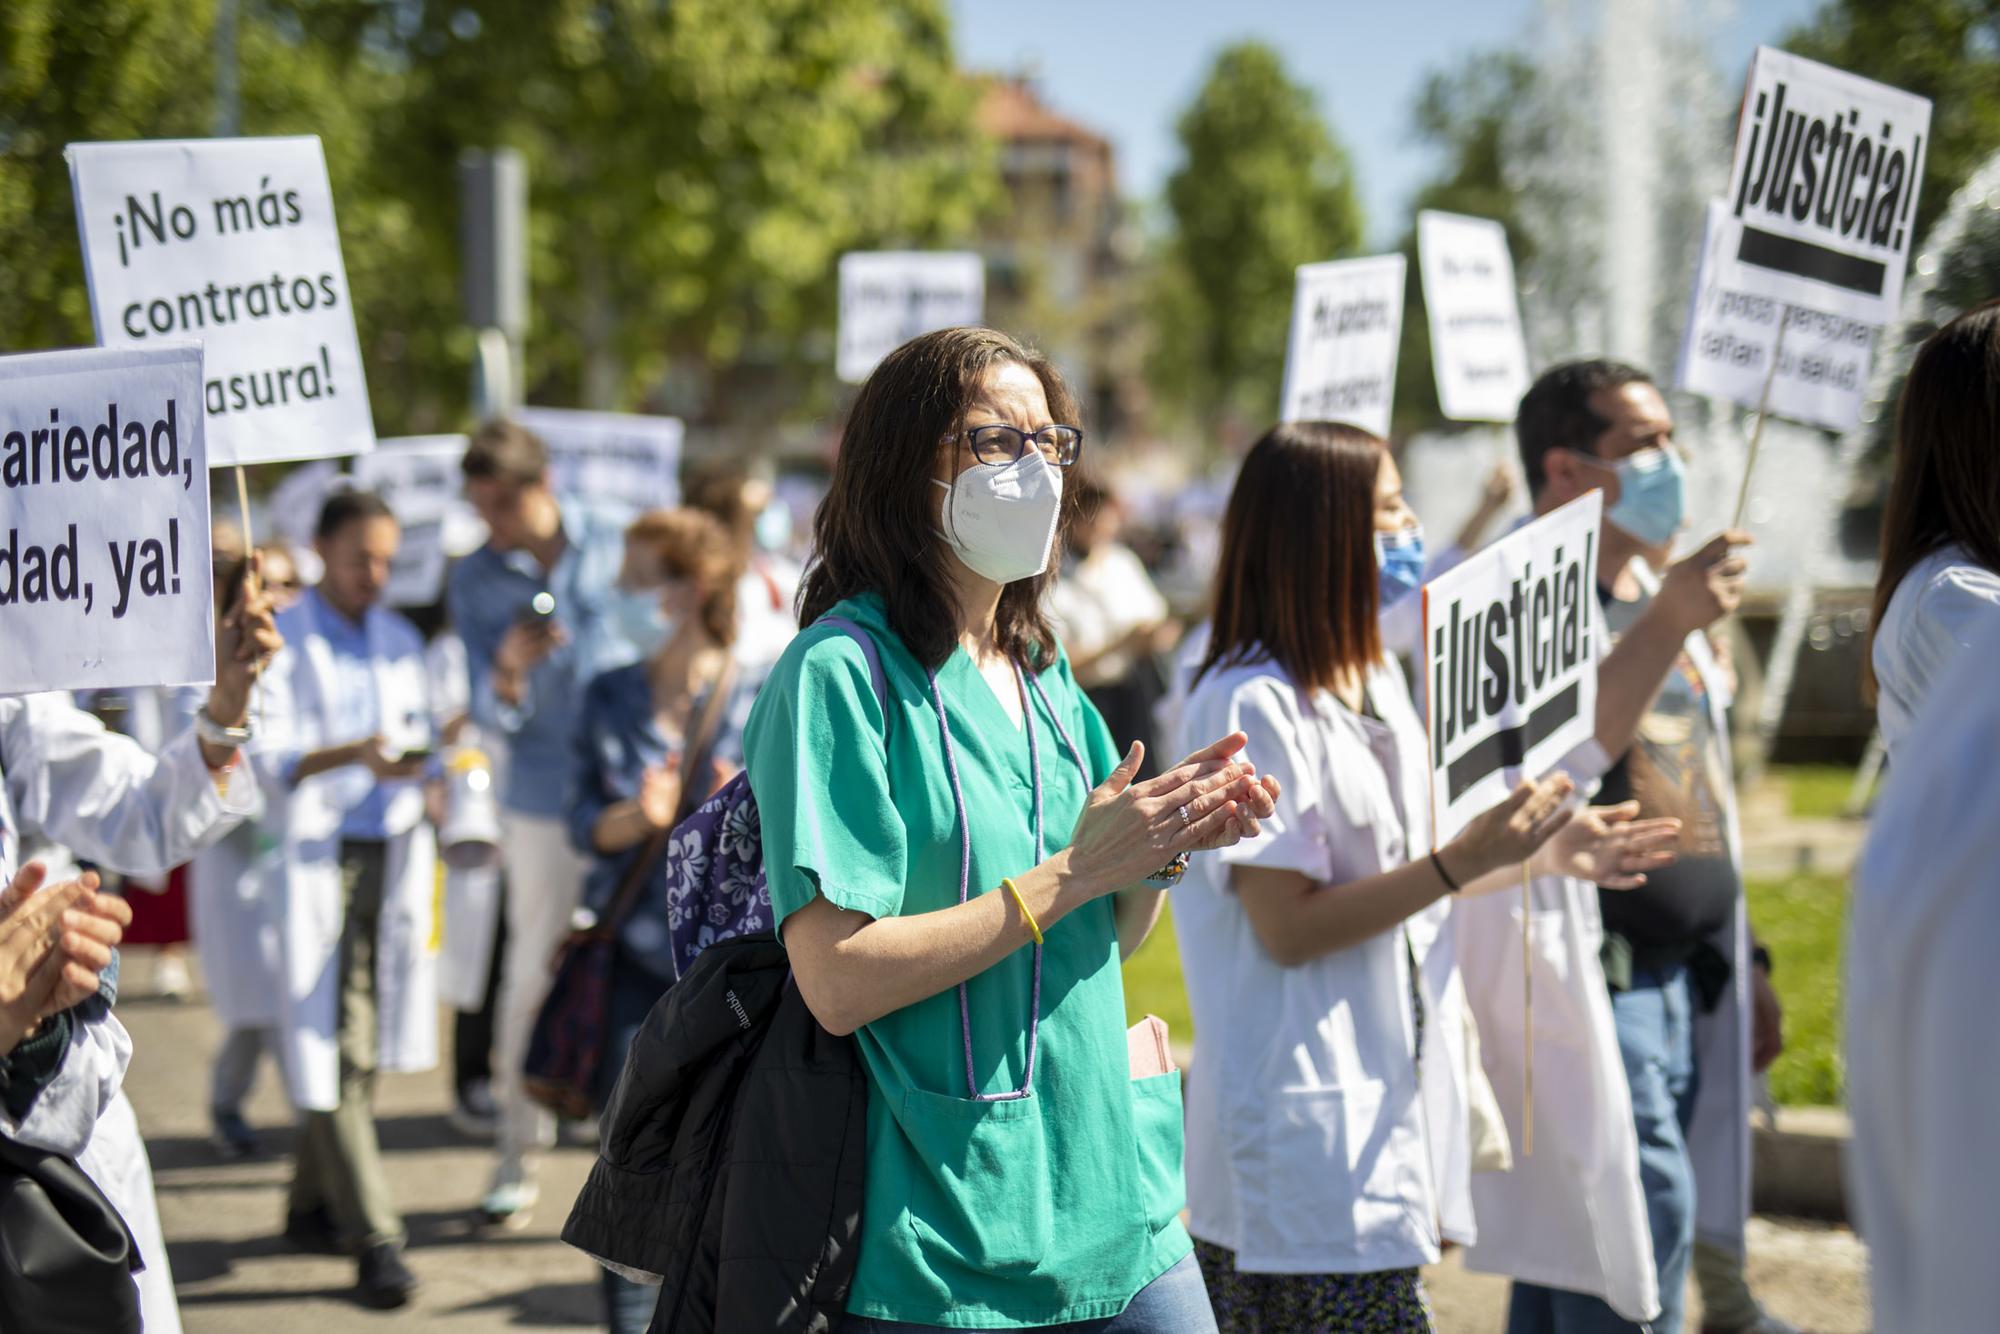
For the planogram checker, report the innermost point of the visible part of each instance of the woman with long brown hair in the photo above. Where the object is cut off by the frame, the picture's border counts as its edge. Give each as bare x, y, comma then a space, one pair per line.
1940, 579
1327, 1135
958, 857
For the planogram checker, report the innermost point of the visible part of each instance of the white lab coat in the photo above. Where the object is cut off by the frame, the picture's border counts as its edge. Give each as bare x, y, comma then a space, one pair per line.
1304, 1093
1922, 1081
108, 800
1573, 1215
1938, 609
232, 933
303, 893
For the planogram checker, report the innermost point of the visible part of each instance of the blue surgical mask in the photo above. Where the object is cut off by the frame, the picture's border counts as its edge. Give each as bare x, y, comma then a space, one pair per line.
774, 526
1652, 499
641, 621
1399, 557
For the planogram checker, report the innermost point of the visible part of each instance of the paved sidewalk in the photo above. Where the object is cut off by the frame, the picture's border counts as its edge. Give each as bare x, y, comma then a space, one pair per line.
236, 1277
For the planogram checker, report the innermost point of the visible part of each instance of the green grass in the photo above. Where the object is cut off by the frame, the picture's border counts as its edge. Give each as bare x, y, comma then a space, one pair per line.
1799, 917
1816, 791
1153, 981
1802, 919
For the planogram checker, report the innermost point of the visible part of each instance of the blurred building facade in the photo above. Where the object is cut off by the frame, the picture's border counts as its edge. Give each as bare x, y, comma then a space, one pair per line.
1060, 253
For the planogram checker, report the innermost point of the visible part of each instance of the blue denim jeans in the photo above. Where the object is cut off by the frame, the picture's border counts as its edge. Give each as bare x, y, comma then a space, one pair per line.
1655, 1022
628, 1306
1174, 1303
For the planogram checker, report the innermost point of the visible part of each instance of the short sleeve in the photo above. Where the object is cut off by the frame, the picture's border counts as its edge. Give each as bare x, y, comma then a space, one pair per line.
1952, 607
1266, 711
819, 769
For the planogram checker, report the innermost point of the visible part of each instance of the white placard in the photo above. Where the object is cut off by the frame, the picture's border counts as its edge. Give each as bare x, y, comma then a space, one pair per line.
615, 460
105, 577
1510, 657
888, 297
230, 242
1726, 350
1478, 351
417, 475
1823, 188
294, 503
1347, 320
416, 575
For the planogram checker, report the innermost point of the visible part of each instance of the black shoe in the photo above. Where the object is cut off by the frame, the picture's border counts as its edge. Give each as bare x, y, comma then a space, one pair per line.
233, 1138
385, 1282
312, 1231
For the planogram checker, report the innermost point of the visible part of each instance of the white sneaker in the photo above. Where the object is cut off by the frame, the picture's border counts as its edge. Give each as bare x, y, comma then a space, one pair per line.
510, 1205
170, 977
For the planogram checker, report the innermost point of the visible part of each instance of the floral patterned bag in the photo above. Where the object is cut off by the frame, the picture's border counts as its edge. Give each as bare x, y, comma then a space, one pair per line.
715, 858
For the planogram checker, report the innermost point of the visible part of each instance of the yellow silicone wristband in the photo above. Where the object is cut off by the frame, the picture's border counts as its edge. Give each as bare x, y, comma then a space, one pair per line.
1034, 928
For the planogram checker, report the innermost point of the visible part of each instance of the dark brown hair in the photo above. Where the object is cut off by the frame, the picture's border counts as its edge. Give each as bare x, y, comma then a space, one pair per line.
1555, 413
1087, 498
346, 506
718, 490
692, 545
877, 529
1297, 577
505, 452
1946, 487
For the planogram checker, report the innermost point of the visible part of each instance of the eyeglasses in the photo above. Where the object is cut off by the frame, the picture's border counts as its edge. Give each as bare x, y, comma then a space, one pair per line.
1001, 445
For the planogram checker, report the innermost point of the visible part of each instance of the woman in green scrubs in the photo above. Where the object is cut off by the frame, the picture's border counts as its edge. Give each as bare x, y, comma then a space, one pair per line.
959, 863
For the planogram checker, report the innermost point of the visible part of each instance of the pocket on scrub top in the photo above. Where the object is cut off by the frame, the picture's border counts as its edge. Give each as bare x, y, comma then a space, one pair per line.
1315, 1151
981, 1196
1156, 1128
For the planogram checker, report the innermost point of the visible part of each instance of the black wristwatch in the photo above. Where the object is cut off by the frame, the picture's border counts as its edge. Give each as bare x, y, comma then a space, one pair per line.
1762, 958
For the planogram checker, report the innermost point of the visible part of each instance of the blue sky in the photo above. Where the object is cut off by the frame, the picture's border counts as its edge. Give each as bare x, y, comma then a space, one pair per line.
1126, 68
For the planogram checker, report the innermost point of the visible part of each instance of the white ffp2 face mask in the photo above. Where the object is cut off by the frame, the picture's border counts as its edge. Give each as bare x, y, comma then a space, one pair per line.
1002, 521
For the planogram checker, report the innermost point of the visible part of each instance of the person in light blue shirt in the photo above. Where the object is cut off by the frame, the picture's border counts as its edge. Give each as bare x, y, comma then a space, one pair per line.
541, 615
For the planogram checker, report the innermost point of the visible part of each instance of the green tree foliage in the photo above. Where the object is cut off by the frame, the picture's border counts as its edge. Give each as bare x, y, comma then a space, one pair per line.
1263, 187
698, 167
695, 169
68, 73
1946, 50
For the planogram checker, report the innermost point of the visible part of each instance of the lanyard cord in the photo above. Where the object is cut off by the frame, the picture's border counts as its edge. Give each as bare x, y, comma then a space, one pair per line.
1022, 682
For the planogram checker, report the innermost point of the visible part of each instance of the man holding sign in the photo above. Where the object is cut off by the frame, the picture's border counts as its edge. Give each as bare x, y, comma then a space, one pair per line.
541, 615
1598, 425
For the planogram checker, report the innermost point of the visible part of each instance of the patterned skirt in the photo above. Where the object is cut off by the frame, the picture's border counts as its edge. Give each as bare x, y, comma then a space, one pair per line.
1392, 1302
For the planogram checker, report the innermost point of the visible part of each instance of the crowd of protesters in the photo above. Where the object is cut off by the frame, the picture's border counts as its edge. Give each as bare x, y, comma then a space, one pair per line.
977, 753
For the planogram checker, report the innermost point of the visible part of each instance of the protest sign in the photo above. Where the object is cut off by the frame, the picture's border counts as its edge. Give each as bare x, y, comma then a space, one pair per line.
416, 475
1340, 365
104, 543
1477, 349
294, 503
1822, 361
888, 297
230, 242
616, 460
1823, 189
1510, 647
416, 575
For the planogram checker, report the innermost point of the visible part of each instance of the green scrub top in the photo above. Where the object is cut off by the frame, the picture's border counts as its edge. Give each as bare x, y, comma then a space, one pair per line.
1055, 1207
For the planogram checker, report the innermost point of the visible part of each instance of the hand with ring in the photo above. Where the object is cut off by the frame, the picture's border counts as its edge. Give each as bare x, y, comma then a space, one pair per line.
1129, 830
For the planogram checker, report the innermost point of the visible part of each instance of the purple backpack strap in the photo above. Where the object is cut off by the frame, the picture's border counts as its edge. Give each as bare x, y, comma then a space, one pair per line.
868, 650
